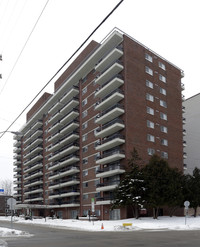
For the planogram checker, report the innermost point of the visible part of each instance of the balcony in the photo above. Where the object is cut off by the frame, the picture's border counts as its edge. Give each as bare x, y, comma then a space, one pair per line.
183, 109
17, 169
65, 172
67, 193
110, 170
57, 126
55, 108
182, 86
107, 186
64, 152
110, 100
33, 175
71, 116
74, 91
111, 156
109, 73
109, 87
184, 144
17, 144
65, 140
104, 201
16, 163
73, 103
184, 120
110, 114
184, 132
65, 183
71, 159
35, 143
33, 152
34, 160
55, 118
33, 167
54, 138
110, 58
69, 128
34, 199
17, 150
184, 155
110, 128
33, 191
111, 142
33, 183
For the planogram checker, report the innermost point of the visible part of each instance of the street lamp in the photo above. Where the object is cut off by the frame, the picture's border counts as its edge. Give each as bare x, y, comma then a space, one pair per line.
12, 132
17, 133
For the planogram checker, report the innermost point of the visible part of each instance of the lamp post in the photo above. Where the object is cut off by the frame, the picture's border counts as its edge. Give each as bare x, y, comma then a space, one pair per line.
12, 132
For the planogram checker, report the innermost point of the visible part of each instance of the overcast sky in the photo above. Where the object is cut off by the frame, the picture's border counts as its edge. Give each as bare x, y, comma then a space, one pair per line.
34, 48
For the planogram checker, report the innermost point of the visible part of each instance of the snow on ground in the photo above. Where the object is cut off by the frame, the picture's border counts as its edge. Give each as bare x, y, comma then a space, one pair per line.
146, 223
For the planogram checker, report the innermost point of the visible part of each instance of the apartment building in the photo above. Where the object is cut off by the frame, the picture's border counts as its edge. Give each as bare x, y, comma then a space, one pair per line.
117, 95
192, 139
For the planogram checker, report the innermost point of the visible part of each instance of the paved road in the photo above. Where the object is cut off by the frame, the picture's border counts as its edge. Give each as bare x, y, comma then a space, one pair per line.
53, 237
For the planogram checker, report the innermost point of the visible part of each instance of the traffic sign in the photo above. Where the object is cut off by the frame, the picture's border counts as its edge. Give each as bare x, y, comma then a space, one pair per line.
186, 204
11, 202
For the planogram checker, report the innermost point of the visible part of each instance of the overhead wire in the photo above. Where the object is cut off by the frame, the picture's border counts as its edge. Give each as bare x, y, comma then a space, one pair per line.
110, 13
14, 26
32, 30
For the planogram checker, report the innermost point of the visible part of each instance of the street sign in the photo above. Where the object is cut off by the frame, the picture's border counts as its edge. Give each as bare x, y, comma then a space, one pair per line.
11, 202
186, 204
1, 191
92, 202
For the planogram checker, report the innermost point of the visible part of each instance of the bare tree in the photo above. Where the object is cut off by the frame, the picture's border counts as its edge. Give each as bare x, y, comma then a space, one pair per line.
7, 185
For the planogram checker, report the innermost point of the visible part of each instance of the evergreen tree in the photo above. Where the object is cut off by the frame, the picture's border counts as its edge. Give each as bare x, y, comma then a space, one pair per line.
175, 190
130, 191
156, 176
193, 189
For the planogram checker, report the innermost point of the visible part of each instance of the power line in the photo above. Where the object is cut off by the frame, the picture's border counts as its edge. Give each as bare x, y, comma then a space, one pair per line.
63, 65
24, 46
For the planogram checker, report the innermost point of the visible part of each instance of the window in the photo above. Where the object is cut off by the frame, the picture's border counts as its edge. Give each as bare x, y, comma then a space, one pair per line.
84, 91
150, 151
163, 91
163, 103
85, 184
149, 84
149, 97
84, 102
161, 65
84, 113
164, 155
148, 57
148, 70
164, 142
85, 161
162, 78
85, 197
163, 116
84, 137
150, 138
85, 173
97, 156
84, 125
150, 110
85, 149
84, 79
150, 124
163, 129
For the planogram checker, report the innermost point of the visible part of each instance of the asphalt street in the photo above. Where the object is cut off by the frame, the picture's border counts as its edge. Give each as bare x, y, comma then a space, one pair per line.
58, 237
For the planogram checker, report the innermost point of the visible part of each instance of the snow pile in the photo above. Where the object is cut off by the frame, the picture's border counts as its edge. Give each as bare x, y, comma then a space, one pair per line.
6, 232
146, 223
